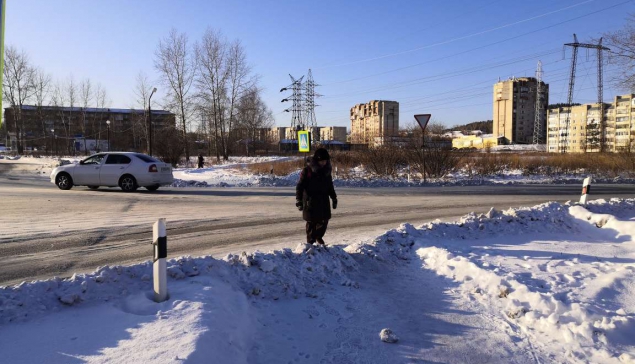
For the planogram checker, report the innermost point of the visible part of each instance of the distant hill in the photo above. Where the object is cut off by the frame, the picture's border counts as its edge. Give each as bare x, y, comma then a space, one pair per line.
485, 126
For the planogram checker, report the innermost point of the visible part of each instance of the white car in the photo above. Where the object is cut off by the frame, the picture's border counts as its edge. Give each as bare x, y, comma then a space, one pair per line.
124, 169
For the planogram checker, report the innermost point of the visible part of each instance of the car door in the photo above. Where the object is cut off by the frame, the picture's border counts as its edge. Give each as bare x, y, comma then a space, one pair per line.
114, 166
86, 172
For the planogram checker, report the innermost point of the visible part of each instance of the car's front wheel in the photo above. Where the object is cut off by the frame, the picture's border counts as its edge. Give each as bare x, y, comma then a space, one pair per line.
152, 188
64, 181
128, 183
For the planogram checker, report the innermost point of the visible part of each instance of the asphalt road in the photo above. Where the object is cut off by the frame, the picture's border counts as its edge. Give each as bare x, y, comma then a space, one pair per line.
47, 232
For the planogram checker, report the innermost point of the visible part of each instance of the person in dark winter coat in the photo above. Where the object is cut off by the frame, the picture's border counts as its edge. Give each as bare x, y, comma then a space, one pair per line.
200, 161
312, 195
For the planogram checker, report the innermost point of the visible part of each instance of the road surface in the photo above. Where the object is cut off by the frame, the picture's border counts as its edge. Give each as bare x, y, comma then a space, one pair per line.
47, 232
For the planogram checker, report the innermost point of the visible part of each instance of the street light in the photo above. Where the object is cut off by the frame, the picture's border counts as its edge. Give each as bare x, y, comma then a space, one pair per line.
150, 121
108, 127
52, 140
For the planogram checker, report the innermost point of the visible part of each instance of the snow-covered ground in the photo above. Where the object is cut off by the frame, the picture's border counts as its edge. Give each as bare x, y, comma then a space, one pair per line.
549, 283
233, 173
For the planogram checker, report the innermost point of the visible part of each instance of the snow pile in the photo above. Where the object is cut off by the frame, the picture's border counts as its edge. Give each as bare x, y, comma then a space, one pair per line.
578, 327
557, 302
208, 177
274, 275
621, 208
560, 276
233, 161
236, 176
560, 302
26, 165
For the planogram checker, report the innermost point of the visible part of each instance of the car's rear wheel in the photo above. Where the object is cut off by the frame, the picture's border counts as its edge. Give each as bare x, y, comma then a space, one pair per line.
152, 188
64, 181
128, 183
93, 187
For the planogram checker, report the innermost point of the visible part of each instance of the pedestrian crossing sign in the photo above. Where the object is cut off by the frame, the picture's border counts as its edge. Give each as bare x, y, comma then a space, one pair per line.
304, 141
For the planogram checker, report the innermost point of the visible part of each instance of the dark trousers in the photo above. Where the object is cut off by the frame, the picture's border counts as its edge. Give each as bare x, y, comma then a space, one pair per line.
315, 231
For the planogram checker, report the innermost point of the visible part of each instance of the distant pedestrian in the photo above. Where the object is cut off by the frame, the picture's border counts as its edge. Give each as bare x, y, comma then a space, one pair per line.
312, 195
201, 160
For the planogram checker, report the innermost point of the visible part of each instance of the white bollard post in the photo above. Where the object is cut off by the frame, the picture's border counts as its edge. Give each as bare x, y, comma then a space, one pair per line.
408, 173
335, 171
159, 266
586, 188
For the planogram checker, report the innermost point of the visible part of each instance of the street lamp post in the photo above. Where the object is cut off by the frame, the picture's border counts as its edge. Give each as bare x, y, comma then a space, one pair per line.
52, 140
150, 121
108, 127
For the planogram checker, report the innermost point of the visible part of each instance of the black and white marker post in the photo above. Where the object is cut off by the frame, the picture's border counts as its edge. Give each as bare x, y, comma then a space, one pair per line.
159, 266
586, 188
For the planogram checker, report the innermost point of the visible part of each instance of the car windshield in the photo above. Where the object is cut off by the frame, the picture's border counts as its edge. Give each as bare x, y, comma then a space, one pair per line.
95, 159
147, 158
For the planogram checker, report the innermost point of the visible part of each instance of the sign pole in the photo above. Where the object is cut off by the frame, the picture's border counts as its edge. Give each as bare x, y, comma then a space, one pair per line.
422, 120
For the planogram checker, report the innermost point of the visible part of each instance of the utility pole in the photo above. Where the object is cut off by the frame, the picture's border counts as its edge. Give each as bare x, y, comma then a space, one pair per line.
574, 57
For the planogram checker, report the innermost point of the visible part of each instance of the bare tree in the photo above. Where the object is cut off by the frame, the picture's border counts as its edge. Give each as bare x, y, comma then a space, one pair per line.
86, 96
142, 92
41, 97
58, 100
177, 66
254, 116
436, 159
18, 88
622, 44
101, 102
211, 83
239, 83
435, 128
70, 89
224, 78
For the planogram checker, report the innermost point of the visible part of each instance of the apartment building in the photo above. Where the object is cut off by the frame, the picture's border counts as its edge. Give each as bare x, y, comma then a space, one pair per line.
374, 123
320, 133
332, 133
44, 127
585, 131
515, 109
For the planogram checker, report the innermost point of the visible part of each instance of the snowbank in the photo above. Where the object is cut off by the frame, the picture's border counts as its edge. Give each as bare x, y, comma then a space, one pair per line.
560, 273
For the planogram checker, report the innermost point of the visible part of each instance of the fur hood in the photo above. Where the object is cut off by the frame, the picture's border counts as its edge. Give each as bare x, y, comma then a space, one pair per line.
316, 168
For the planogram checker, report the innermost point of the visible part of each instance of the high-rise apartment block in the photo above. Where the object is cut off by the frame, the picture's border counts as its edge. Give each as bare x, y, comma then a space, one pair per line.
374, 123
586, 132
515, 109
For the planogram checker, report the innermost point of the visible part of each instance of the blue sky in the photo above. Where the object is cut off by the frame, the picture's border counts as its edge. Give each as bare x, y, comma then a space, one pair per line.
431, 56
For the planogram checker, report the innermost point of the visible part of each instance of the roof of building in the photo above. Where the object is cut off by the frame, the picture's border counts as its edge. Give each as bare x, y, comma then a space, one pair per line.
93, 109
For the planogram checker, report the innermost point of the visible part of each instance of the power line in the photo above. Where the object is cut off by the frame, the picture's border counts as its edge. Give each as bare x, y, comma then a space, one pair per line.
487, 45
450, 74
462, 37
